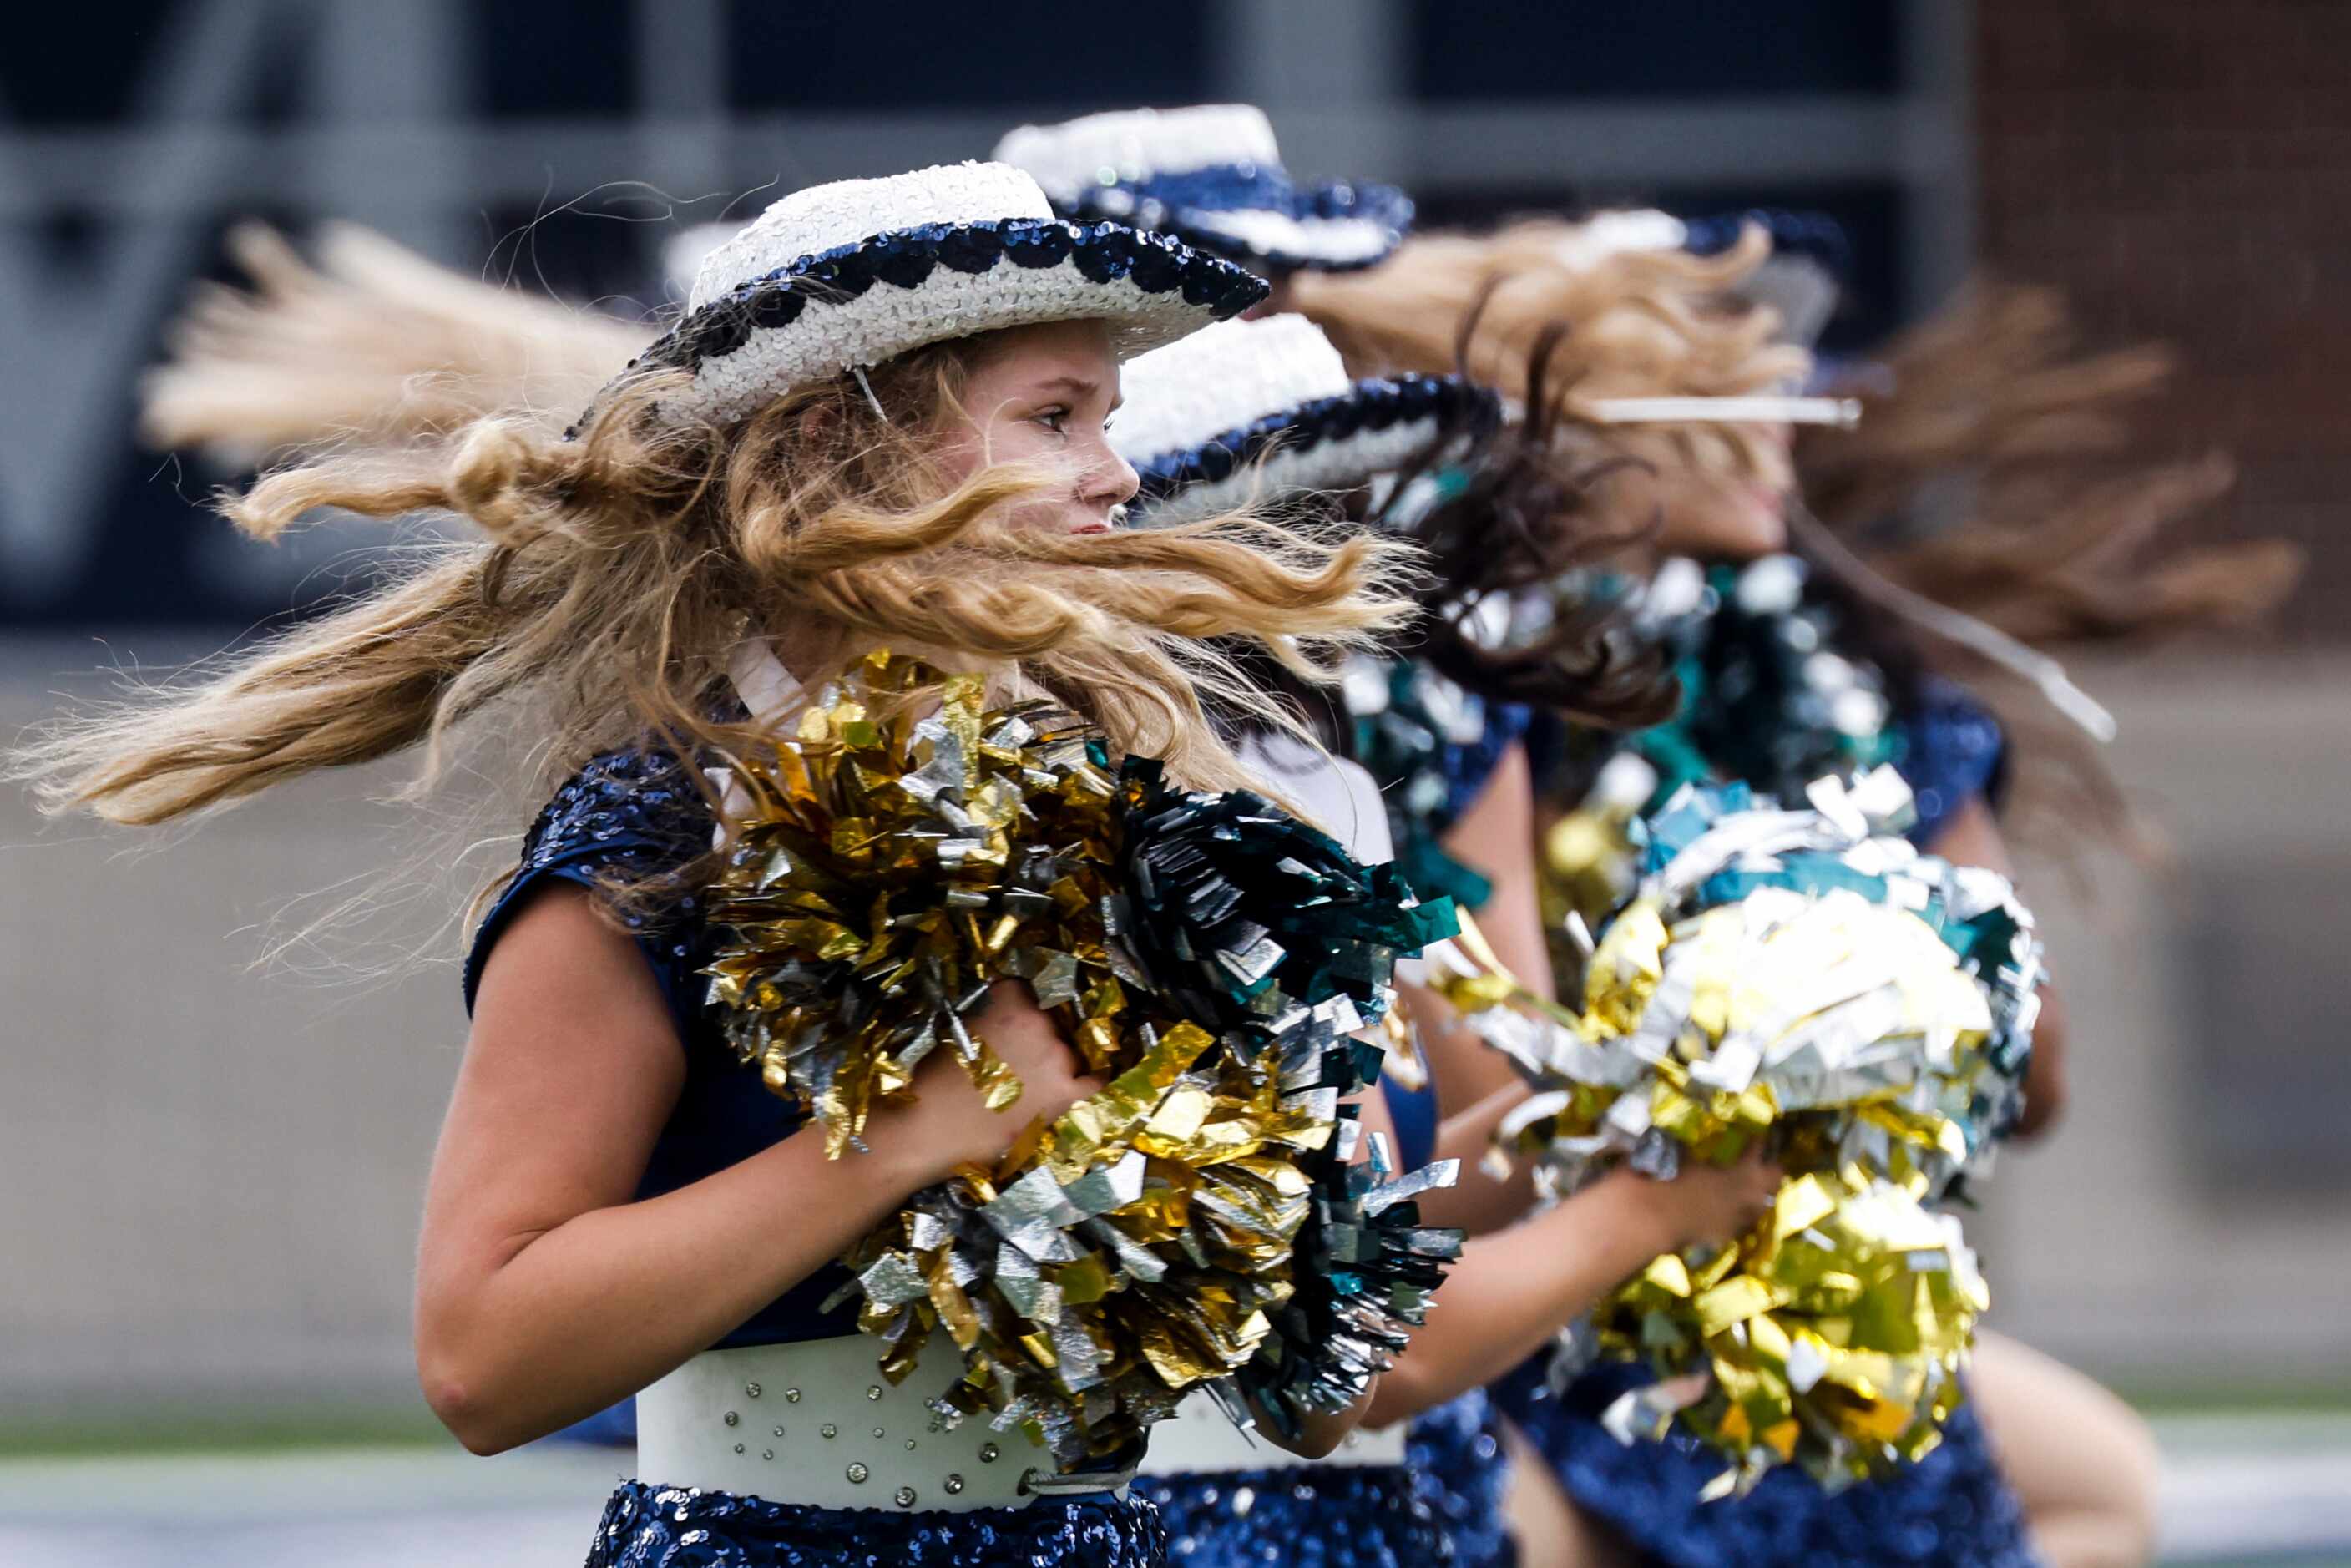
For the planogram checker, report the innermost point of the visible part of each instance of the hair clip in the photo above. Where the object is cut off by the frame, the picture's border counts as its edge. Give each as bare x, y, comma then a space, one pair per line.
1842, 412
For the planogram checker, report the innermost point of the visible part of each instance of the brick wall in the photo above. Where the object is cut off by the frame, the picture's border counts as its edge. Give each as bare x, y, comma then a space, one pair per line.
2183, 169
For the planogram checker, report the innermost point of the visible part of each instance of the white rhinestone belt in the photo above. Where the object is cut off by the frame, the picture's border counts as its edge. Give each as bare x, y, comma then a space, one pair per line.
1203, 1440
815, 1422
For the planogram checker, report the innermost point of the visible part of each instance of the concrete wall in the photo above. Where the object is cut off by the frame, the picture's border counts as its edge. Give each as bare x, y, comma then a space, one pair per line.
2188, 1220
210, 1177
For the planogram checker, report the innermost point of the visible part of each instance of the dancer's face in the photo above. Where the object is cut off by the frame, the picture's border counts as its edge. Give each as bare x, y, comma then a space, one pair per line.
1725, 517
1045, 394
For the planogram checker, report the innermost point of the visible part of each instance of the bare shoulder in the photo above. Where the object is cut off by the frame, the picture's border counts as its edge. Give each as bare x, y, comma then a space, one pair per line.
559, 954
1971, 836
573, 1062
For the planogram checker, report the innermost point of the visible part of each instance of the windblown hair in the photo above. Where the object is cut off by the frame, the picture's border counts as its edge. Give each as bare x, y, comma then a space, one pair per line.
1989, 414
618, 573
373, 345
1515, 504
1520, 509
1636, 324
1999, 470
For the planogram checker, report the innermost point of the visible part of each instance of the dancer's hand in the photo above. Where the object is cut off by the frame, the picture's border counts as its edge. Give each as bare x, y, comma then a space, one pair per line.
950, 1124
1704, 1204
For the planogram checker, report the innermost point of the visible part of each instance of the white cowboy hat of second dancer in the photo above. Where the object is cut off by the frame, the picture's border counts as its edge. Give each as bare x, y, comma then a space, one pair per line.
1265, 408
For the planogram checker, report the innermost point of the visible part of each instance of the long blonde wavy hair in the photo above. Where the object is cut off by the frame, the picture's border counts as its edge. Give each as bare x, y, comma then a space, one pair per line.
371, 344
613, 578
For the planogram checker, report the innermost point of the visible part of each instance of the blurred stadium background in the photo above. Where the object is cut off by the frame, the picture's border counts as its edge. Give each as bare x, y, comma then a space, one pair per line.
209, 1172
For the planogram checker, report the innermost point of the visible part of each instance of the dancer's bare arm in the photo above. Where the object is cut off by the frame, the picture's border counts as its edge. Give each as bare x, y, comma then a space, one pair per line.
1512, 1291
545, 1290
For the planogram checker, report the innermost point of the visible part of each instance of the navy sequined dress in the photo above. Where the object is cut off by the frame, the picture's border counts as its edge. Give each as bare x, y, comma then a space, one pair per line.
1298, 1516
634, 816
672, 1527
1952, 1510
1458, 1463
1951, 752
1443, 1505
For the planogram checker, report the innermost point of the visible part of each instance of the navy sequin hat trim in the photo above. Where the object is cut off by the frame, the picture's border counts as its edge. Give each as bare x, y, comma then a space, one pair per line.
1449, 404
906, 258
1189, 205
1179, 280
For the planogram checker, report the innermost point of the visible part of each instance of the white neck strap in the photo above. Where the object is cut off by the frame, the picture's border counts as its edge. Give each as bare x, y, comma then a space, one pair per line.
768, 689
768, 692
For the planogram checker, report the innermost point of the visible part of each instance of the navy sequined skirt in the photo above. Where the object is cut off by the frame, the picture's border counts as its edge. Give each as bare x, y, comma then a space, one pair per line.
1951, 1510
676, 1527
1456, 1459
1301, 1516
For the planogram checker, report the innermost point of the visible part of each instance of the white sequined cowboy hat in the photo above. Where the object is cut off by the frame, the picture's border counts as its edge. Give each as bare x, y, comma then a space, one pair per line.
1212, 176
841, 276
1266, 409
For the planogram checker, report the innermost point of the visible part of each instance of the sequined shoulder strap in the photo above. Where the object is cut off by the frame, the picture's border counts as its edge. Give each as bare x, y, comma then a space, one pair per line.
634, 805
1953, 750
630, 814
